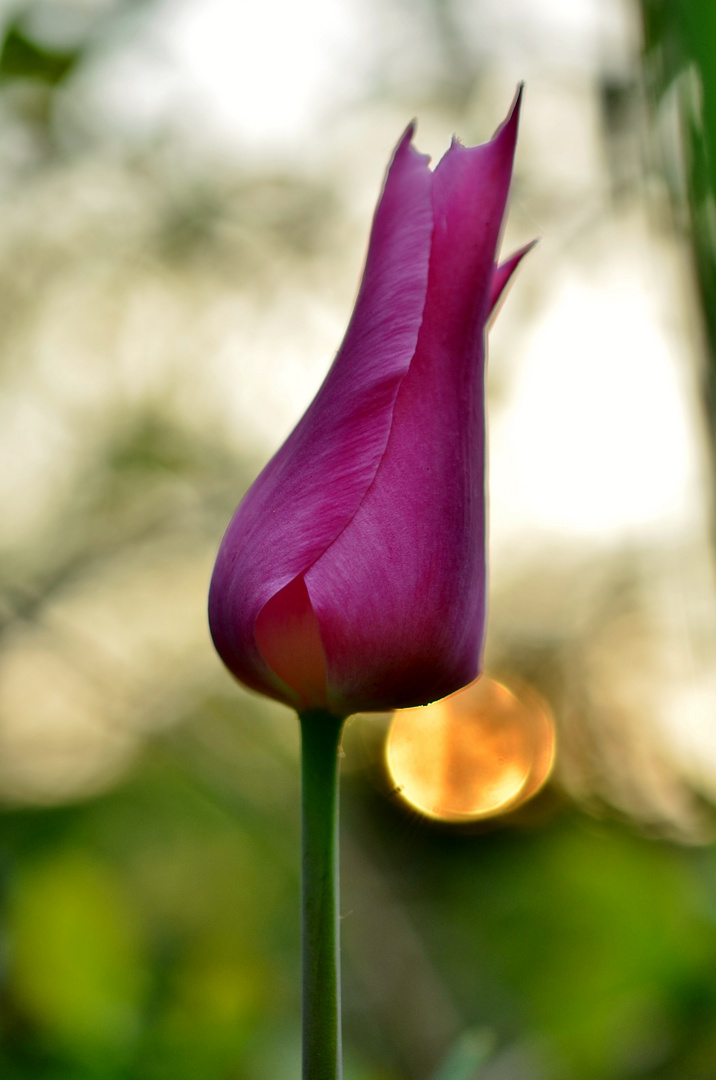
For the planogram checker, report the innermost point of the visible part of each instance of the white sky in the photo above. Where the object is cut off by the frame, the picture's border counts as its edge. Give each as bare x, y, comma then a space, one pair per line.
267, 76
599, 374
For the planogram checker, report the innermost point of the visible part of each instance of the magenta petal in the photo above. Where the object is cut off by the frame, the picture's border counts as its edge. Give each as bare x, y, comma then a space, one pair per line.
503, 274
400, 595
313, 486
289, 640
353, 575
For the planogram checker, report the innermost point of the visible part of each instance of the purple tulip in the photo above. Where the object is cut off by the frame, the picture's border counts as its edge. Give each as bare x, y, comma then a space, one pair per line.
353, 574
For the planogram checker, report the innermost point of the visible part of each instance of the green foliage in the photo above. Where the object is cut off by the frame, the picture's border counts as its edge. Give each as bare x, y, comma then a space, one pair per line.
23, 58
146, 935
680, 40
582, 938
72, 926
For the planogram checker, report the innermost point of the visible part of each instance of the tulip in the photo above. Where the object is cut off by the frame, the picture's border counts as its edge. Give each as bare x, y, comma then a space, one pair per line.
353, 574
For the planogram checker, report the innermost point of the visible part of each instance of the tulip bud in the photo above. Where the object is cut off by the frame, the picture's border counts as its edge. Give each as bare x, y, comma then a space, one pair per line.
353, 575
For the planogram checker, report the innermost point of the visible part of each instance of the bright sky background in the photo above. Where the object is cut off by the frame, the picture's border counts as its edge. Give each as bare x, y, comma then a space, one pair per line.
268, 77
598, 374
600, 370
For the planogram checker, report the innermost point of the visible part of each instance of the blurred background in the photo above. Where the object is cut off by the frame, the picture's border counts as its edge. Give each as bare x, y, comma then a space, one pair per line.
186, 188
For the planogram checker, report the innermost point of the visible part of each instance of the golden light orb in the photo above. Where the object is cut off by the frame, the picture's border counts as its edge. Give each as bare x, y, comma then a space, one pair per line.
475, 754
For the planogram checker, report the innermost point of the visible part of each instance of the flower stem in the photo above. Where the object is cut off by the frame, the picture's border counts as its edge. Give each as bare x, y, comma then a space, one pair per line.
320, 739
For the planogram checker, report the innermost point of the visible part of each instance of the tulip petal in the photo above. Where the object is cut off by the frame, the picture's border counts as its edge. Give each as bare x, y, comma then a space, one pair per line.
503, 274
289, 639
400, 594
313, 486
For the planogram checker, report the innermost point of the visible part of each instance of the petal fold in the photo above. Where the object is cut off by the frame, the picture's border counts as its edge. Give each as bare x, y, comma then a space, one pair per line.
289, 640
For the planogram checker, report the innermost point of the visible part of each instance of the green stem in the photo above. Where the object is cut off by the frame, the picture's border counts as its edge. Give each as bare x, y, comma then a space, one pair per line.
320, 739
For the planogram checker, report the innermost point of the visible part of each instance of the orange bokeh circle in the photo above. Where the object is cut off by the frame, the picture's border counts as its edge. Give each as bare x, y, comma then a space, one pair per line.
476, 754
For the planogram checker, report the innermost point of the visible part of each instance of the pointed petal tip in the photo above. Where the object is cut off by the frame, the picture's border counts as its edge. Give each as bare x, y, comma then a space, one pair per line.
520, 254
504, 272
510, 264
517, 99
405, 143
508, 128
407, 137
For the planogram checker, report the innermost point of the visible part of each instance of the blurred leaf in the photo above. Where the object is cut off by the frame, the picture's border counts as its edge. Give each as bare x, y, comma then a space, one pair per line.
23, 58
77, 965
680, 45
